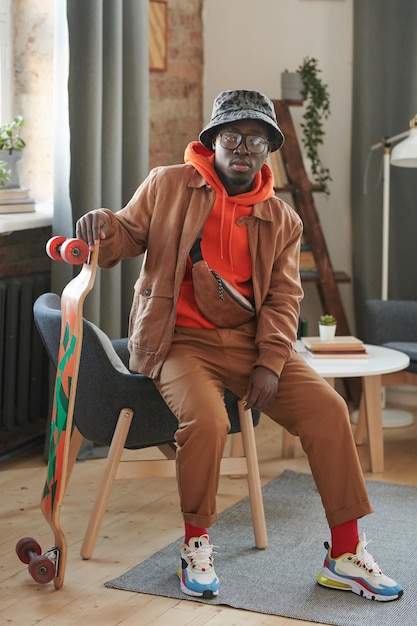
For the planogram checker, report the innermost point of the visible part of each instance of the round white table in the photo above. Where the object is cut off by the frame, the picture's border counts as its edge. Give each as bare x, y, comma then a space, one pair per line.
380, 361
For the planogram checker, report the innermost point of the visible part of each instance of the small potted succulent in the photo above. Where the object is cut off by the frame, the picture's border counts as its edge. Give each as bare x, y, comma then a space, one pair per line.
11, 149
327, 327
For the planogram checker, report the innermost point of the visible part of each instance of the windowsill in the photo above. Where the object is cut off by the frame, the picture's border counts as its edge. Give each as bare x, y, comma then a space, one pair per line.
42, 216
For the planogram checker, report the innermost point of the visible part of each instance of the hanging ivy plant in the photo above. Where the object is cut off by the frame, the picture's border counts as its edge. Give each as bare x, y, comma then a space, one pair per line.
317, 109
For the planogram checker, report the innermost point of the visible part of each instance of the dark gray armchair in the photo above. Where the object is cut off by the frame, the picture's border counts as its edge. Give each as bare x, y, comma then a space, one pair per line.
393, 324
117, 408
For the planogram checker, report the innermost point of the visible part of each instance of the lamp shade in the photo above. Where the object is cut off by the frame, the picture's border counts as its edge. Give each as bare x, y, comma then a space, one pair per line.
404, 154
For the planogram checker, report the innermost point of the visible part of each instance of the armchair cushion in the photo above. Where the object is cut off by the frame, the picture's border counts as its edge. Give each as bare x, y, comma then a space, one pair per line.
105, 386
409, 348
393, 324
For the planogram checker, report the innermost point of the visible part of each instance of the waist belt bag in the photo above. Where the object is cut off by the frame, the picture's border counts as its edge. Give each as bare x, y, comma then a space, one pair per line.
219, 301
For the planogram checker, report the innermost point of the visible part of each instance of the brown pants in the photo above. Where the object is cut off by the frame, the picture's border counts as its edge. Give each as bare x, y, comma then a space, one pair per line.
192, 380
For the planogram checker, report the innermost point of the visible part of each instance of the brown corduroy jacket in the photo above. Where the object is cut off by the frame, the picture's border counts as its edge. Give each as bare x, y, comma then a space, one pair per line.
162, 220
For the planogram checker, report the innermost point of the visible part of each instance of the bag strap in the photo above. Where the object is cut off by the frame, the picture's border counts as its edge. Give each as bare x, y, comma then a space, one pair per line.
195, 252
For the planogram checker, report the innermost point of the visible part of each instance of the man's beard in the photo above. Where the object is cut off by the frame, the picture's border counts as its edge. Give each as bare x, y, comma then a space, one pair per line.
236, 181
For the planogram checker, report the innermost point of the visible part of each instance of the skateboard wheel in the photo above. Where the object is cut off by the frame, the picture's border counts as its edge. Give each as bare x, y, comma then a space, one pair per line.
42, 569
27, 548
74, 251
53, 247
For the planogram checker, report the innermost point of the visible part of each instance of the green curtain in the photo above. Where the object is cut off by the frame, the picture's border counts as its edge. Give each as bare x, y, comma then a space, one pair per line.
384, 101
101, 132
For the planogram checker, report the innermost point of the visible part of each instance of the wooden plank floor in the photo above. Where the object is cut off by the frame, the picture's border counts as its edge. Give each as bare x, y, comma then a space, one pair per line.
142, 517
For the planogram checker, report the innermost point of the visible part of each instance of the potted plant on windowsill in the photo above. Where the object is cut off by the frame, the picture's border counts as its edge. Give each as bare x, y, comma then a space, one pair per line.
307, 86
4, 174
11, 147
327, 327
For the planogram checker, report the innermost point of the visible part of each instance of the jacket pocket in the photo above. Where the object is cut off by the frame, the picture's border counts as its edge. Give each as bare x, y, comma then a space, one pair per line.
150, 315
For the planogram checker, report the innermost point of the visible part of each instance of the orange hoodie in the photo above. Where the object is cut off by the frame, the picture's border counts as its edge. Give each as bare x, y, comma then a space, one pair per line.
224, 243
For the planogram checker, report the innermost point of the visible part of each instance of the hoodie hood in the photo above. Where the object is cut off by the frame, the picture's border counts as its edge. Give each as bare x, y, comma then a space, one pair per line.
227, 209
224, 242
203, 160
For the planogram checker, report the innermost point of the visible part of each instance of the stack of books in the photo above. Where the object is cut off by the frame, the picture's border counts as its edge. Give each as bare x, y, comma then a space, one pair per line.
348, 347
16, 200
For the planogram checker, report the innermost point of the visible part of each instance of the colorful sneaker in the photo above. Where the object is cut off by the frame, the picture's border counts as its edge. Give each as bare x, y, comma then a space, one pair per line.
359, 573
196, 571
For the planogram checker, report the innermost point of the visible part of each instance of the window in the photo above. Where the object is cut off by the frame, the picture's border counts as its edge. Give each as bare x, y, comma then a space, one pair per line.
6, 62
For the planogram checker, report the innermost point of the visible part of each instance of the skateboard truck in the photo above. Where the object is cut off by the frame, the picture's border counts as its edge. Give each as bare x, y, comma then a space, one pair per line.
42, 567
73, 251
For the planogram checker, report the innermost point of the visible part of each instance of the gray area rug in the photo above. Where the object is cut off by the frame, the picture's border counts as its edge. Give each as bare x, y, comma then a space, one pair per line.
281, 580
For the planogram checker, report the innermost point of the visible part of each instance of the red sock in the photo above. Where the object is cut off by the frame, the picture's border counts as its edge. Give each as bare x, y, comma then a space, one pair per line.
345, 538
193, 531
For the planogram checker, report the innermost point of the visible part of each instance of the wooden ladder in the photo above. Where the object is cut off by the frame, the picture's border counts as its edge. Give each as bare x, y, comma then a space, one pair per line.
301, 190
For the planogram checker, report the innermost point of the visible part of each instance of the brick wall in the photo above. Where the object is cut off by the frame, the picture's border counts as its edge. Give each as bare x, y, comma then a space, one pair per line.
176, 94
23, 252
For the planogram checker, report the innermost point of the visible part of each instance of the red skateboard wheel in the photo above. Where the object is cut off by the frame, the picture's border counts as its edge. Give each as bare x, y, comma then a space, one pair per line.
42, 569
27, 548
53, 247
74, 251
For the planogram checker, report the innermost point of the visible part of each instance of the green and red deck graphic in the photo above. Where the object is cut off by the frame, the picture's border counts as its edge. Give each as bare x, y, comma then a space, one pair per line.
64, 377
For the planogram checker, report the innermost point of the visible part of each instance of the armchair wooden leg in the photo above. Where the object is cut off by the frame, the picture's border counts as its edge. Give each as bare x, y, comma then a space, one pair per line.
254, 479
113, 459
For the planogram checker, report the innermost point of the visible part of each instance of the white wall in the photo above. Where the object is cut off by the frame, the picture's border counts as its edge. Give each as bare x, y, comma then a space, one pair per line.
247, 44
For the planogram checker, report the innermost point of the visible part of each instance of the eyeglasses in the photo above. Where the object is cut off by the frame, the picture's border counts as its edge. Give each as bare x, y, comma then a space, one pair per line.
253, 143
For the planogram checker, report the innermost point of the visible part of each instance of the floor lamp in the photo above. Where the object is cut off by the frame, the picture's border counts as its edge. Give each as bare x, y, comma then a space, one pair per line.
404, 154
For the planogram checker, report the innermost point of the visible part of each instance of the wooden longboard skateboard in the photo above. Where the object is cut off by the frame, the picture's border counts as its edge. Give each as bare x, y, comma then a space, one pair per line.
51, 564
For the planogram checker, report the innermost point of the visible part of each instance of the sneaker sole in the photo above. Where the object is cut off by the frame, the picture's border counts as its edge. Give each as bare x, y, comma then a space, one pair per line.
332, 581
208, 594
